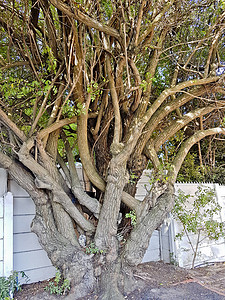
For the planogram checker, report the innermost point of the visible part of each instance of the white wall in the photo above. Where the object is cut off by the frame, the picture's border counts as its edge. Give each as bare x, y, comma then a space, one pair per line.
28, 255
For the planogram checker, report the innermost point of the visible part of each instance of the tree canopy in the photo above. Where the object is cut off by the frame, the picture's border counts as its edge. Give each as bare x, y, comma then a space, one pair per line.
118, 86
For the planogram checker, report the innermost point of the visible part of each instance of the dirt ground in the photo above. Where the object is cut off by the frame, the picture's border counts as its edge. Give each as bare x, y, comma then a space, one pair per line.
157, 280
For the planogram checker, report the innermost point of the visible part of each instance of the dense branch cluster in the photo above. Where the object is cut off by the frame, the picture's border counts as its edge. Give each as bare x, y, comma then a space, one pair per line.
117, 85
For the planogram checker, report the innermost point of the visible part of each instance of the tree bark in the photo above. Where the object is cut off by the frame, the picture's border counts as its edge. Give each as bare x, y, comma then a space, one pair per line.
138, 242
105, 236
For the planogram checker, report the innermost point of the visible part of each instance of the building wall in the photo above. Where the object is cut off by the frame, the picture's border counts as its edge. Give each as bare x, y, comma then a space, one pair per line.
1, 236
28, 255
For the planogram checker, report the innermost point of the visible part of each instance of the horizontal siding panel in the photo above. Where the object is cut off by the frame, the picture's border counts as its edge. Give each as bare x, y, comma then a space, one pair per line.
217, 250
25, 242
23, 206
141, 191
139, 197
22, 223
24, 261
188, 188
39, 274
17, 190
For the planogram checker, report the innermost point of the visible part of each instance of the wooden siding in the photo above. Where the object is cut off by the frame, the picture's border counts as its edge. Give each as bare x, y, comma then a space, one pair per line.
28, 255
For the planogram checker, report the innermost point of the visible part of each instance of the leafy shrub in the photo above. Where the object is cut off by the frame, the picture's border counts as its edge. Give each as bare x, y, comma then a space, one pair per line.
8, 285
59, 285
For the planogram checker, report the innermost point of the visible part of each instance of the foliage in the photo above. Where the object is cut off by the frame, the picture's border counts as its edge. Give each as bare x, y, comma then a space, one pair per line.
132, 178
173, 260
198, 215
59, 285
92, 249
212, 169
8, 285
190, 170
160, 174
114, 85
132, 216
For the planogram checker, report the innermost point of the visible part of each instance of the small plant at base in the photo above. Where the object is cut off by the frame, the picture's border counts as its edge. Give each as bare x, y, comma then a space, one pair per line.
58, 285
132, 216
92, 249
8, 285
173, 259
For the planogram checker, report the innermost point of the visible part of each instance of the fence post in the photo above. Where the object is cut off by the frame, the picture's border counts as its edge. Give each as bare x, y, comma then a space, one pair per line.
219, 195
7, 213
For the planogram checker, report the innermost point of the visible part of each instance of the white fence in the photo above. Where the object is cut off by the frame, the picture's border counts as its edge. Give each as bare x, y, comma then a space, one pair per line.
21, 251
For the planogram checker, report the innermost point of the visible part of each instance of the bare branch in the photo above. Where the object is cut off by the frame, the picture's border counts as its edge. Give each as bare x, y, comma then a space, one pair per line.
180, 123
176, 165
91, 203
12, 126
84, 18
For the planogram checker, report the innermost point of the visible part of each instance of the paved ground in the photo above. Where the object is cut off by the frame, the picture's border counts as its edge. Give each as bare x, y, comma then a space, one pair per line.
185, 291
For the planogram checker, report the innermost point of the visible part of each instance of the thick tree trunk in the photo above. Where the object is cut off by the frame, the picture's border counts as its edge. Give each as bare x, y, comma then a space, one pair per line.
110, 273
111, 276
138, 241
105, 237
71, 260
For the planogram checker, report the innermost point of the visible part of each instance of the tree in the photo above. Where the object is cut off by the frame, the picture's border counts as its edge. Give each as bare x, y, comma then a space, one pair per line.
204, 163
109, 83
